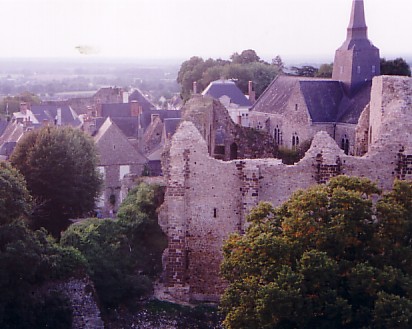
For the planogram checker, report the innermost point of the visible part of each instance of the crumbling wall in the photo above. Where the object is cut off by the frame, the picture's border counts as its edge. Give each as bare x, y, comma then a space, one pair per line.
207, 199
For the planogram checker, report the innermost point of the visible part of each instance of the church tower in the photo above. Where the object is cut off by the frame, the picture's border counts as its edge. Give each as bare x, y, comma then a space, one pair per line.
357, 60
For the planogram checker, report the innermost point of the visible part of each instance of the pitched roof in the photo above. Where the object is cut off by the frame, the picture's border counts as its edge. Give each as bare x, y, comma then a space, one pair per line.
50, 113
6, 149
276, 96
322, 98
171, 125
114, 147
220, 88
116, 110
143, 101
146, 117
325, 99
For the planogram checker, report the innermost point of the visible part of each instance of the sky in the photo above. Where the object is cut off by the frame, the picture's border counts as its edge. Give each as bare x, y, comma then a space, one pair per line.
165, 29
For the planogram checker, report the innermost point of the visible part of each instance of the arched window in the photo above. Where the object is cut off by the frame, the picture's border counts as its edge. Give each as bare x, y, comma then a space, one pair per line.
346, 146
293, 141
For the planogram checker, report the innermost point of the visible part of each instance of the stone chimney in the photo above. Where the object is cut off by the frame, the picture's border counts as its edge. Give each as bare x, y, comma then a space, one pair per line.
251, 92
194, 88
135, 109
125, 97
24, 107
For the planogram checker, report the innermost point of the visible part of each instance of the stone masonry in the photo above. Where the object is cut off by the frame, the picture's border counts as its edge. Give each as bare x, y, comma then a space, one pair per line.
208, 199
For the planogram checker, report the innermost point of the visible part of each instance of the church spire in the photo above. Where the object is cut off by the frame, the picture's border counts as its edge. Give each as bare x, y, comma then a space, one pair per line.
357, 28
357, 61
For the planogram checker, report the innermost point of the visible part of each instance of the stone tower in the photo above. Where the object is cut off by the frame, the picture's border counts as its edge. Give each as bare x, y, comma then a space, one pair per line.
357, 60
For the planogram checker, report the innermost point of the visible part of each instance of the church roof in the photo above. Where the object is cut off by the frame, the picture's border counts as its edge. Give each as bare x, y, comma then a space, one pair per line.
325, 99
219, 88
322, 99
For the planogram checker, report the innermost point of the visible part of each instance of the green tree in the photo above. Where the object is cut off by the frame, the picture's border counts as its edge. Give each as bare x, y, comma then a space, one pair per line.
123, 255
244, 68
325, 71
15, 200
326, 258
304, 71
397, 66
247, 56
28, 260
278, 63
59, 165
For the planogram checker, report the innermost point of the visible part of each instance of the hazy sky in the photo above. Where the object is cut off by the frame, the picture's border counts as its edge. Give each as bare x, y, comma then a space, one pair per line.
207, 28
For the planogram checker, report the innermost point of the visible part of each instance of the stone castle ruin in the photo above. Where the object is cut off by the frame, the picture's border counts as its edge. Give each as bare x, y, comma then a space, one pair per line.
209, 194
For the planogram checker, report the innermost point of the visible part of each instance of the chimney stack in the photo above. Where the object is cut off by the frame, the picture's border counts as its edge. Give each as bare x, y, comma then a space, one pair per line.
194, 87
251, 92
24, 107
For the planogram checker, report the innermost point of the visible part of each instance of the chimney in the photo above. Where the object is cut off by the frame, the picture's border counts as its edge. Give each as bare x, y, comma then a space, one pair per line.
251, 92
125, 97
24, 107
153, 118
135, 109
98, 109
59, 117
194, 88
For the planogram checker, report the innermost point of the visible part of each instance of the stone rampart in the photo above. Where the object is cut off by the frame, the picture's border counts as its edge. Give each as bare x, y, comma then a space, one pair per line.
208, 199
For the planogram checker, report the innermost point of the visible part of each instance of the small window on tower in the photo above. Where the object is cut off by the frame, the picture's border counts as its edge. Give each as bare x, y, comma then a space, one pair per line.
358, 69
373, 69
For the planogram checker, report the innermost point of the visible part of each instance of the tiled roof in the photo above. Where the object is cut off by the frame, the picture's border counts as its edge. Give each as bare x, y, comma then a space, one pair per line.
220, 88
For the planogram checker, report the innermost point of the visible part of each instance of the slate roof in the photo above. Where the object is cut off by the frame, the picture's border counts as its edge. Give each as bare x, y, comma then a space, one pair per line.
219, 88
3, 126
146, 117
122, 151
171, 125
143, 101
49, 113
276, 96
6, 149
116, 110
322, 99
325, 99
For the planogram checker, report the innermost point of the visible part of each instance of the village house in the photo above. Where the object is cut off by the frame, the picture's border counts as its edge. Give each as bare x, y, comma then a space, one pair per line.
232, 98
117, 158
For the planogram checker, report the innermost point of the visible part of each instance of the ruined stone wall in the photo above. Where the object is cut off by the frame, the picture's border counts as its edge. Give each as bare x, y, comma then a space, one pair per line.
226, 140
82, 297
207, 199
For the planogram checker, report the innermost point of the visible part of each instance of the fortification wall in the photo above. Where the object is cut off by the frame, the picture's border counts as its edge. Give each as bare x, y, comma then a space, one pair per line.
208, 199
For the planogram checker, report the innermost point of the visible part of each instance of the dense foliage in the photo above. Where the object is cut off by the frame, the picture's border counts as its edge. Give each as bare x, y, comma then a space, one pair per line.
326, 258
27, 260
15, 200
123, 255
397, 66
59, 165
242, 68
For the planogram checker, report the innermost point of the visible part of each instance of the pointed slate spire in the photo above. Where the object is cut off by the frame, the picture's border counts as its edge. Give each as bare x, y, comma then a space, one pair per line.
357, 61
357, 28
